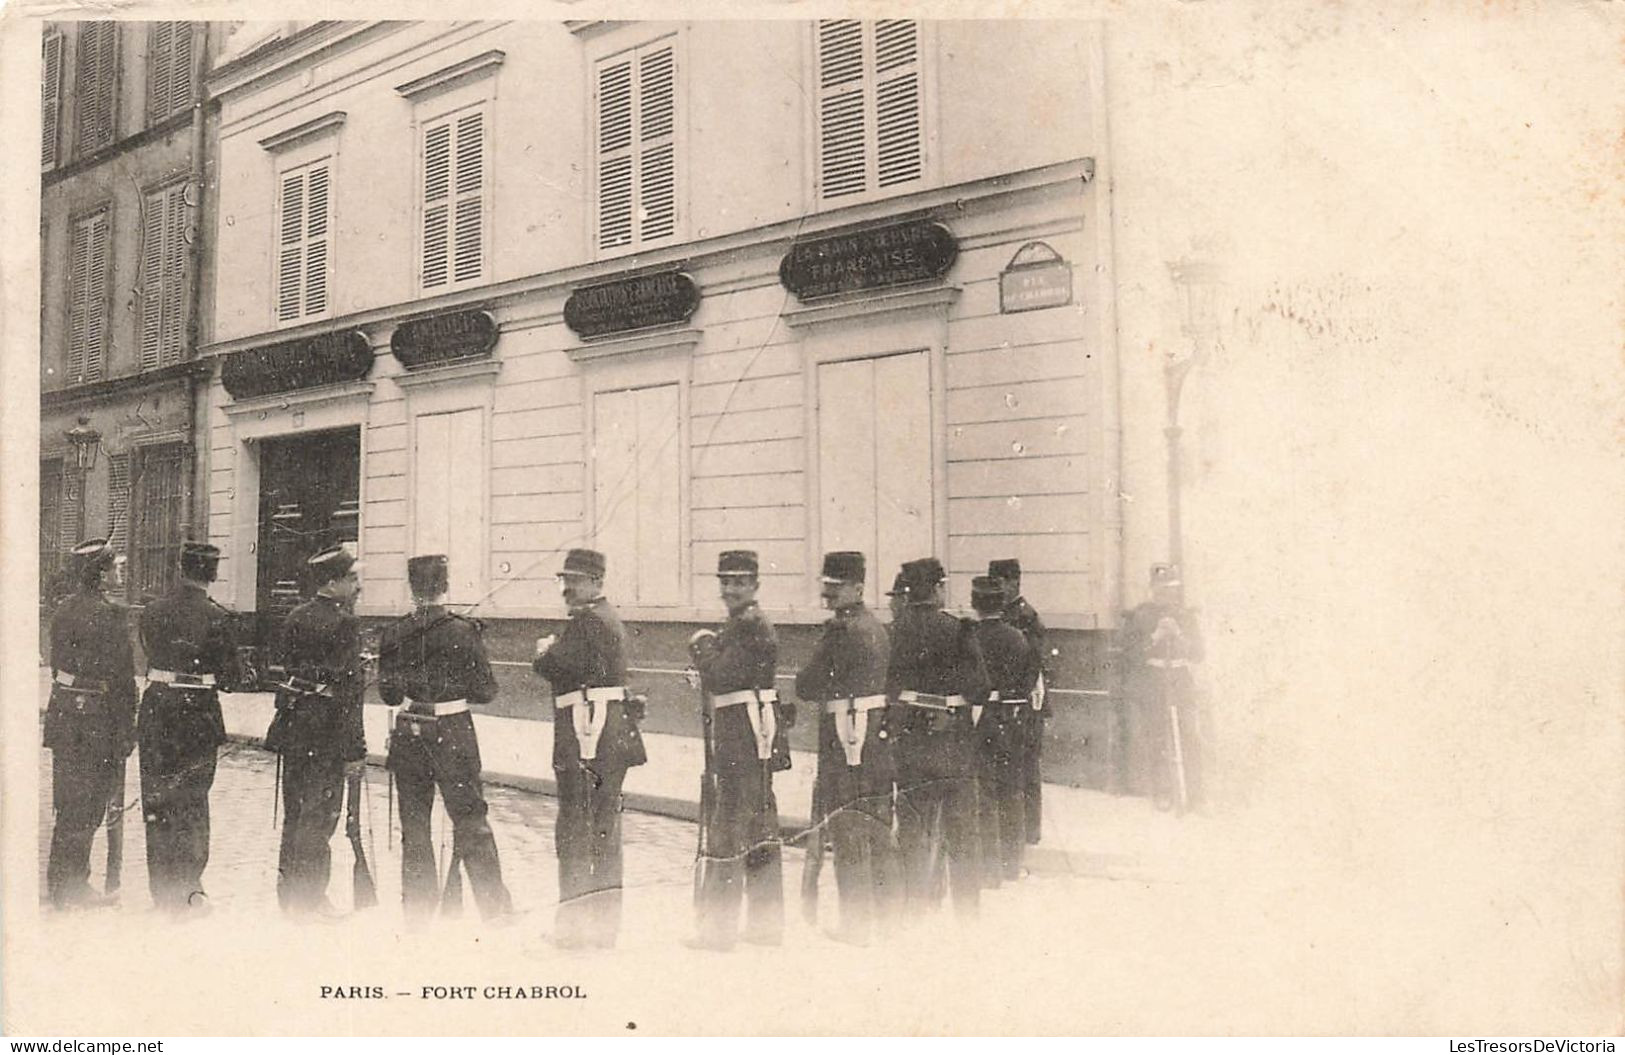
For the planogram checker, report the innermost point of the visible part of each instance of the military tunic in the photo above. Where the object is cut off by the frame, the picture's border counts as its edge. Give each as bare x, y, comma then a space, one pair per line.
742, 846
317, 729
856, 768
186, 634
89, 729
590, 654
1021, 615
936, 654
1157, 676
429, 657
1012, 668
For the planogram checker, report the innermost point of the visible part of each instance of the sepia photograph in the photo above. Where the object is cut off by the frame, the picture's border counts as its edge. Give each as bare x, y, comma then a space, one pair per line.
724, 520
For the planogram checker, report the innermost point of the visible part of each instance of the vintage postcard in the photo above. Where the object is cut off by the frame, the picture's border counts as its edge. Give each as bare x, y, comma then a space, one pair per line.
812, 519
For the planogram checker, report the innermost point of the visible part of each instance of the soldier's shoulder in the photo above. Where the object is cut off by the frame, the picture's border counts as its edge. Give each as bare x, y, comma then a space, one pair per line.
464, 625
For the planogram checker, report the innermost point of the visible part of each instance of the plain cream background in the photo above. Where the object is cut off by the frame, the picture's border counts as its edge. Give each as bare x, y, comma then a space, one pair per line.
1403, 522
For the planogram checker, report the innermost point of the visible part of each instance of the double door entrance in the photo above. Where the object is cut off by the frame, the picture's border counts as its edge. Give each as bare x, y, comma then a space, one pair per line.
310, 500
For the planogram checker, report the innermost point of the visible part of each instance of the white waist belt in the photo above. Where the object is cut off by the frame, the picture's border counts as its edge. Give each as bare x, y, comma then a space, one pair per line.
437, 710
588, 708
1167, 663
931, 701
852, 723
764, 723
181, 681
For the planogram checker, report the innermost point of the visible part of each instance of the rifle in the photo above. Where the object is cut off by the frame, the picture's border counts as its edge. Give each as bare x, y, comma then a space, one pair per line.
1177, 752
115, 831
366, 892
814, 863
703, 851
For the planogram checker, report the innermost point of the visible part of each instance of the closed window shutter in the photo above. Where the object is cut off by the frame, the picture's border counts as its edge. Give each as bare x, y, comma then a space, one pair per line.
152, 280
843, 162
870, 128
302, 243
180, 75
169, 351
657, 171
87, 299
468, 256
615, 155
98, 56
72, 489
436, 205
50, 97
78, 301
316, 226
97, 303
290, 270
160, 68
118, 503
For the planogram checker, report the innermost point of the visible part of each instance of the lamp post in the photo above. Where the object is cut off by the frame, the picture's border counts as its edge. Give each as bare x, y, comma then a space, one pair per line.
87, 442
1198, 282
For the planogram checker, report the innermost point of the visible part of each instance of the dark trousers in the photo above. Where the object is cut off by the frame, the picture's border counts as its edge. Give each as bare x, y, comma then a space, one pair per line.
83, 780
1001, 791
743, 856
312, 799
937, 817
444, 753
1151, 736
1032, 774
180, 742
587, 839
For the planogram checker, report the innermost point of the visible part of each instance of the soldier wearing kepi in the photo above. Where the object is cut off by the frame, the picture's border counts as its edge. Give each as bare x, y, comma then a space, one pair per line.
89, 721
1012, 668
1019, 614
745, 727
846, 679
1161, 640
595, 741
432, 665
317, 729
191, 648
936, 675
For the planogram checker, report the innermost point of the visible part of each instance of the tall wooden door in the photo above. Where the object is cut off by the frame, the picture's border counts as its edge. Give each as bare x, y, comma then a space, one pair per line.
310, 491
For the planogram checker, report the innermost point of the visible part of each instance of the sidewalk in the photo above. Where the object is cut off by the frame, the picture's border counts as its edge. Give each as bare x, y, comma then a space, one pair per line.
1086, 833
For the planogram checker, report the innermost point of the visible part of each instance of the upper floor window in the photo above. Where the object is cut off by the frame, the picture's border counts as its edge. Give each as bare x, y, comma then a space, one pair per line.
635, 140
94, 84
454, 204
50, 96
88, 305
302, 240
169, 70
870, 131
163, 276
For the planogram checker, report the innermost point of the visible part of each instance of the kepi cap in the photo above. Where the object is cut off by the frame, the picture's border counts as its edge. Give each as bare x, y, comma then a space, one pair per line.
843, 566
427, 574
921, 576
331, 564
1008, 568
986, 593
737, 562
90, 557
899, 586
200, 560
588, 562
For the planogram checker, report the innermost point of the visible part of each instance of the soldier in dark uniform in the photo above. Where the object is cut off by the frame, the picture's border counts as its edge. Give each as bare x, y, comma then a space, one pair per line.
1161, 639
432, 665
191, 648
1012, 668
595, 741
852, 800
317, 729
89, 721
746, 728
1019, 614
935, 677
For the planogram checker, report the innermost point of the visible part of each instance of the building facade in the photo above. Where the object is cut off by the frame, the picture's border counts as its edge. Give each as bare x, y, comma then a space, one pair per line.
121, 162
664, 289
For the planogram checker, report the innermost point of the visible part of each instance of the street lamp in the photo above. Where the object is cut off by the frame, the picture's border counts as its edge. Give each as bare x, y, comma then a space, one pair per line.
1199, 283
87, 442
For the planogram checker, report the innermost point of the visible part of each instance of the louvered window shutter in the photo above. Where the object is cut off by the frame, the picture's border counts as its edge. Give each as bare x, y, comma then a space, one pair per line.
436, 205
160, 70
72, 489
290, 248
180, 74
78, 301
118, 502
615, 154
468, 235
152, 280
169, 350
97, 303
98, 59
50, 97
316, 228
870, 130
302, 243
657, 144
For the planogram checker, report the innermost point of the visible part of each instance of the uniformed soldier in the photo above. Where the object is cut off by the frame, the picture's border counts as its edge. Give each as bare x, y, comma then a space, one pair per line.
318, 728
935, 677
1161, 639
595, 741
897, 598
432, 665
1012, 668
89, 721
1019, 614
846, 679
191, 647
746, 730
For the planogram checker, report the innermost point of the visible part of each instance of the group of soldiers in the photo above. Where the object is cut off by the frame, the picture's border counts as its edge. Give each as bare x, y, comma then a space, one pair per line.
930, 734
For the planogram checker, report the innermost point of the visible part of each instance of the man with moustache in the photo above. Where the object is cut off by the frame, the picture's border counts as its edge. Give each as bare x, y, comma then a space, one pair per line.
846, 679
745, 728
595, 741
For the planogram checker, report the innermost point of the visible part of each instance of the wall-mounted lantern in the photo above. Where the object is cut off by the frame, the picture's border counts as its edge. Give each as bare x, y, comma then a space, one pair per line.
87, 442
